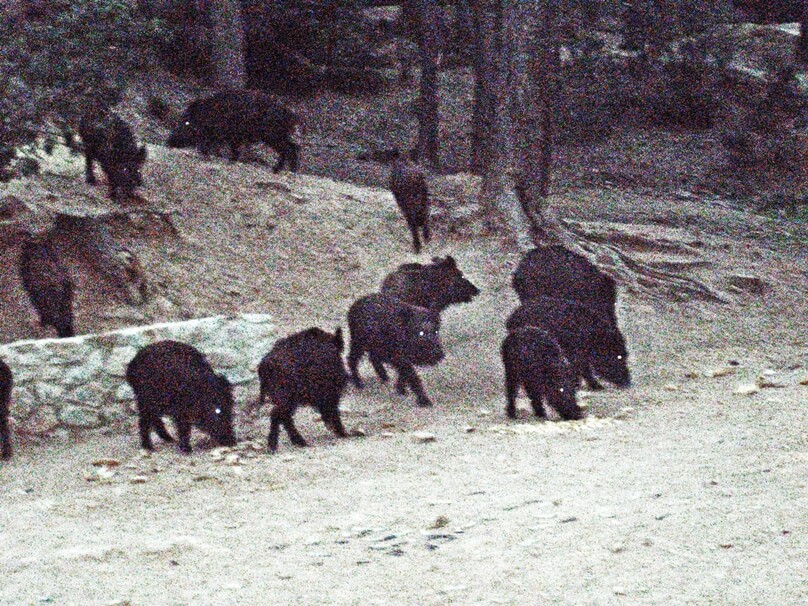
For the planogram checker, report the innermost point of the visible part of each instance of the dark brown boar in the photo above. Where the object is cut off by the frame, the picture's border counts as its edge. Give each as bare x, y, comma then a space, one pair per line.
303, 368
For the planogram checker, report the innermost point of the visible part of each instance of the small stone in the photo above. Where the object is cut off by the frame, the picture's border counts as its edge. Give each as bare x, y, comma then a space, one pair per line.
617, 548
752, 284
105, 473
440, 522
804, 381
722, 371
746, 389
358, 432
767, 379
619, 591
484, 412
106, 463
692, 374
387, 434
232, 459
287, 458
469, 429
138, 480
671, 387
423, 437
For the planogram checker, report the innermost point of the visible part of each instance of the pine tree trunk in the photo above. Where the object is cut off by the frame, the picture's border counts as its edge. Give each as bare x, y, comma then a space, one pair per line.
428, 142
227, 43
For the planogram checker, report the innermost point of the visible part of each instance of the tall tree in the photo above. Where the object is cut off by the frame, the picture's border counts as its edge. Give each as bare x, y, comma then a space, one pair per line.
520, 70
428, 143
227, 42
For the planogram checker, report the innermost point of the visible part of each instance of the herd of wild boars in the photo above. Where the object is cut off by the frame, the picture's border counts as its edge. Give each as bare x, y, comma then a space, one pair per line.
564, 331
552, 344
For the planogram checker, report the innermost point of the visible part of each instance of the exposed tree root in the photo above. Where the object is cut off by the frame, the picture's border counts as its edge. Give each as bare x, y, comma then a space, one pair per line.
639, 276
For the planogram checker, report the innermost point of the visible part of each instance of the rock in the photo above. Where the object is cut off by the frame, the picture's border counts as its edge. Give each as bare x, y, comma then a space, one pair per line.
106, 463
357, 432
105, 473
387, 434
76, 416
804, 381
439, 522
124, 393
671, 387
138, 479
43, 421
749, 283
767, 379
423, 437
469, 429
232, 459
746, 389
722, 371
119, 359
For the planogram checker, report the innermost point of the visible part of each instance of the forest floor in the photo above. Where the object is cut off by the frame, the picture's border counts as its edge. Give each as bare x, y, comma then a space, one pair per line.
679, 490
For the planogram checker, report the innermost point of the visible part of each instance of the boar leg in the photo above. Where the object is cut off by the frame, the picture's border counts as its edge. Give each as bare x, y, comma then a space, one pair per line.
407, 373
379, 368
160, 427
184, 433
353, 362
511, 388
416, 241
5, 436
292, 432
89, 175
144, 425
272, 438
591, 381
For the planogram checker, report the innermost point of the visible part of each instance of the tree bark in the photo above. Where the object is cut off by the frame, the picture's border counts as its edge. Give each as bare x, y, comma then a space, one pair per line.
428, 141
227, 43
535, 132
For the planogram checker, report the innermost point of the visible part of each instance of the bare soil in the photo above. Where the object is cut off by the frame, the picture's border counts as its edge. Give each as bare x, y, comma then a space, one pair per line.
675, 491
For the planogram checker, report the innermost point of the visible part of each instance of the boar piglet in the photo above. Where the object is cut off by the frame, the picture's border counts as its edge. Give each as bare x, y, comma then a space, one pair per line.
6, 384
408, 184
396, 333
303, 368
436, 285
47, 283
236, 118
534, 360
109, 140
554, 271
589, 340
174, 379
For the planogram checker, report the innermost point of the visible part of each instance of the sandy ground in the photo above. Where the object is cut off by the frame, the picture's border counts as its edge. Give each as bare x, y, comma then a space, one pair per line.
676, 491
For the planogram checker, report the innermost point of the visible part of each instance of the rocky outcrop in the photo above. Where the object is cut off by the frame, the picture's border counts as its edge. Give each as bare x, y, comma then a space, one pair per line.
78, 383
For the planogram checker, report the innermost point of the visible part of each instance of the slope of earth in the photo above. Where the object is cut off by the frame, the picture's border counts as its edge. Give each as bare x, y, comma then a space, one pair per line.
676, 491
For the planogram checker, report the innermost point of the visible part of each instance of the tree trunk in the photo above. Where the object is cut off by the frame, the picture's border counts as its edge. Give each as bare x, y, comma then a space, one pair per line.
535, 132
483, 114
227, 43
428, 143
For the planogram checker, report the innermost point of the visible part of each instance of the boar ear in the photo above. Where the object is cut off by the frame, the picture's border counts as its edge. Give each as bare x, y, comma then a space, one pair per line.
451, 261
338, 340
141, 154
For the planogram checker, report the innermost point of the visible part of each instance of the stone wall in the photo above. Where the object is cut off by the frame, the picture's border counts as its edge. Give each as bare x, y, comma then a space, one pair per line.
79, 383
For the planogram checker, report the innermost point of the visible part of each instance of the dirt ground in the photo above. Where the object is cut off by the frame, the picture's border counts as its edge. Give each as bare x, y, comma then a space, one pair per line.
676, 491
